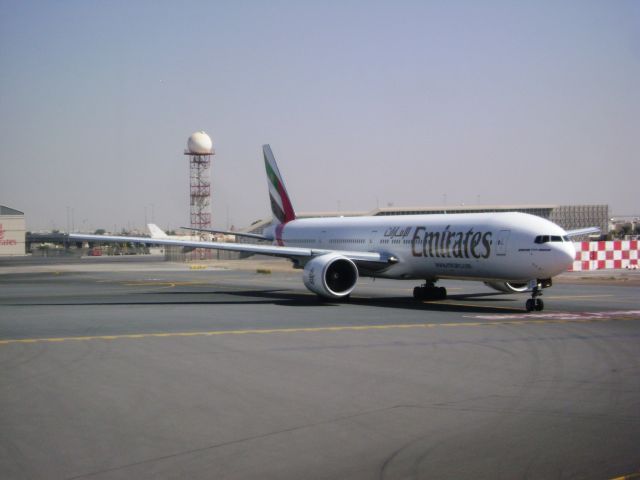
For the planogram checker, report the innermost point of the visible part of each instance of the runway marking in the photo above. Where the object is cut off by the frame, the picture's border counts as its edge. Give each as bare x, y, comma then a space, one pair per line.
465, 304
498, 307
148, 283
564, 297
538, 319
573, 316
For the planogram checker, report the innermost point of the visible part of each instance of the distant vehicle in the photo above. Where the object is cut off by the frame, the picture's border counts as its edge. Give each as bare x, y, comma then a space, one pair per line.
510, 252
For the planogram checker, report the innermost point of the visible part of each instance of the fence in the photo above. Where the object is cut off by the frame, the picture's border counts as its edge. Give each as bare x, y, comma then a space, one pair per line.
606, 255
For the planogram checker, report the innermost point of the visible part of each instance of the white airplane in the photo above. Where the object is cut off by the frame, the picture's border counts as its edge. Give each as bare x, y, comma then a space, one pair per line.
510, 252
158, 234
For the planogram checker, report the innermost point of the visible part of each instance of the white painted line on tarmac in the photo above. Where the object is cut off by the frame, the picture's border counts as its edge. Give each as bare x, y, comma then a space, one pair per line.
610, 315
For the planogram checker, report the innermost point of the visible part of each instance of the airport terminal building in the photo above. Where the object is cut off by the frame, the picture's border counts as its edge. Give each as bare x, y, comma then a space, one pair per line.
568, 217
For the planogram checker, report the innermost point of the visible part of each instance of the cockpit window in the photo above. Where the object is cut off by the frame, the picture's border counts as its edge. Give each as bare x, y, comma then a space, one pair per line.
549, 238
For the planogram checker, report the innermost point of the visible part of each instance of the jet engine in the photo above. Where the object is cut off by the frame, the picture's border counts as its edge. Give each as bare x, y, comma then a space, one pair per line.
330, 275
509, 287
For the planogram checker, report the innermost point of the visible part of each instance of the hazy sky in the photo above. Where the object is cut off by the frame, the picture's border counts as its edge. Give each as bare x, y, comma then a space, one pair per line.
364, 104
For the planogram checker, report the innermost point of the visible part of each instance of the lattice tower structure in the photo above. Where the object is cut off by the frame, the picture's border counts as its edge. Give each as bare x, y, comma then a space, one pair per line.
200, 189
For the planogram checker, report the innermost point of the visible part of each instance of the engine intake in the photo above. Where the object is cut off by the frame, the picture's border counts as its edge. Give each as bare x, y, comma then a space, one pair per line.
330, 275
509, 287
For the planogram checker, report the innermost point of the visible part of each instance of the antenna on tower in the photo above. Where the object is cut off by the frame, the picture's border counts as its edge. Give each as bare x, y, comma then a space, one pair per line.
200, 150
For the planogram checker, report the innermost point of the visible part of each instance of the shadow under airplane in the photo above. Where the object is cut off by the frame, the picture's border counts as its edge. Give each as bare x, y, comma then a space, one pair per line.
462, 303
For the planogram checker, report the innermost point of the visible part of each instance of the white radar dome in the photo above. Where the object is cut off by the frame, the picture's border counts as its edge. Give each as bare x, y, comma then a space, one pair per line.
200, 143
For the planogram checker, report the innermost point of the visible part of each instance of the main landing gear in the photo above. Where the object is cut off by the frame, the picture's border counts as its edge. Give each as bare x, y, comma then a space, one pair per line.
429, 291
535, 303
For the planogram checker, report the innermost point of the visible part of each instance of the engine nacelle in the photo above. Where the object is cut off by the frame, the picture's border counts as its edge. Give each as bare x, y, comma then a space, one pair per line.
330, 275
509, 287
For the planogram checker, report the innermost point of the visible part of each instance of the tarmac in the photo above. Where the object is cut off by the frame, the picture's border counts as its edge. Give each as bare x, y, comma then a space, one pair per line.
137, 368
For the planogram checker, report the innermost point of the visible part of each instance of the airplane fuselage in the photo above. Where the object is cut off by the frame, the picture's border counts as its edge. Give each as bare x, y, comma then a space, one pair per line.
482, 246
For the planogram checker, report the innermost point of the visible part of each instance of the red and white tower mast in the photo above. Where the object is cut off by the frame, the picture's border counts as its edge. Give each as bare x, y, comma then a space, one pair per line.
200, 150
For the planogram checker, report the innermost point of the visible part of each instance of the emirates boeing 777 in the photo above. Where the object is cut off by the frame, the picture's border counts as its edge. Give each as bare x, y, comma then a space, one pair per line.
510, 252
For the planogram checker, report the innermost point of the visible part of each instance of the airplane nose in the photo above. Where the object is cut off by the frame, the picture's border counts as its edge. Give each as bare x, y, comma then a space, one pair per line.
560, 260
566, 254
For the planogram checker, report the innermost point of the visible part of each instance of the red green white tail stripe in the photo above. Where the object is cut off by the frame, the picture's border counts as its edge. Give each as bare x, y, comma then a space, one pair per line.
280, 203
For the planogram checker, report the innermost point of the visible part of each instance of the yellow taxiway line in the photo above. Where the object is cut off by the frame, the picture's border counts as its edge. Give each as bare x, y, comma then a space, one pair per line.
349, 328
628, 477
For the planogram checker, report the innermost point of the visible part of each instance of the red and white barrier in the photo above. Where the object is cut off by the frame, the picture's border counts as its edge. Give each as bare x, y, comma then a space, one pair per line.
606, 255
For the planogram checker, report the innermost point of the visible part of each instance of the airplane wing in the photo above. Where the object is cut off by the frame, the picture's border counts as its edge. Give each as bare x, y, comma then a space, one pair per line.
582, 231
293, 253
226, 232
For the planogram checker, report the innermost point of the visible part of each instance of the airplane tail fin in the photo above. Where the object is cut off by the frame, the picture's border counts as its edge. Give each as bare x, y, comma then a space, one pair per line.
280, 203
155, 231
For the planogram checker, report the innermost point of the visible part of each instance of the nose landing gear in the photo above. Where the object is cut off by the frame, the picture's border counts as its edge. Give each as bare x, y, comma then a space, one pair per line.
535, 303
429, 291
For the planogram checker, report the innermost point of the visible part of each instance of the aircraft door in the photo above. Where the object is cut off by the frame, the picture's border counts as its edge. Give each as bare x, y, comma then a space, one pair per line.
503, 238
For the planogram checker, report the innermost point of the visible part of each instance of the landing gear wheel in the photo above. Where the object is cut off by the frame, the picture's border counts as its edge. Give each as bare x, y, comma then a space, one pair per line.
530, 305
418, 293
429, 292
535, 303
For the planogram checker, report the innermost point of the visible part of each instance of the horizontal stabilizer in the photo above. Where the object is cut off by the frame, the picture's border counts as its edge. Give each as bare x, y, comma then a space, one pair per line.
582, 231
226, 232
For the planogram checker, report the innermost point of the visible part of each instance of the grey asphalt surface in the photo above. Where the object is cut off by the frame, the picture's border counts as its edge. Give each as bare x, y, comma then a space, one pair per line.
147, 371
